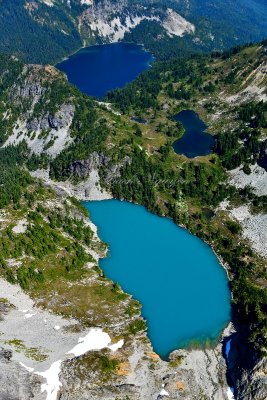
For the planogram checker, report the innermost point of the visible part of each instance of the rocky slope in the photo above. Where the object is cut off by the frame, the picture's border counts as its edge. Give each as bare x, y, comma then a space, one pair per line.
109, 22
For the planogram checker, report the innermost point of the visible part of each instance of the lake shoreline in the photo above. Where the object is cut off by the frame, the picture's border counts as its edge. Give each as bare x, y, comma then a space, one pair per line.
65, 58
78, 191
195, 141
201, 331
194, 360
87, 68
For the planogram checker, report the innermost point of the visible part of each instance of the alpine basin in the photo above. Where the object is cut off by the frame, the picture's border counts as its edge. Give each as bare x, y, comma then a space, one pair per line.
195, 140
177, 278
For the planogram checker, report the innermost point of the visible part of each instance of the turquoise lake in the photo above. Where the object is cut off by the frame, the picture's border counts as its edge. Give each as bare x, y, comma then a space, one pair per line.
177, 278
96, 70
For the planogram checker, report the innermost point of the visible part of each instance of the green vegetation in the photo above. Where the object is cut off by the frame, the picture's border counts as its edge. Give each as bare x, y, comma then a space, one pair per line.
49, 42
80, 206
108, 365
40, 241
55, 32
183, 189
176, 361
52, 254
8, 74
102, 364
136, 326
244, 145
180, 82
216, 27
13, 179
143, 179
32, 353
89, 131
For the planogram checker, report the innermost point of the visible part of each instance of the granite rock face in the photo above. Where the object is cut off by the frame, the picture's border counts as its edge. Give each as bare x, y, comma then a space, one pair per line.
247, 372
59, 120
95, 161
16, 383
106, 21
252, 383
190, 375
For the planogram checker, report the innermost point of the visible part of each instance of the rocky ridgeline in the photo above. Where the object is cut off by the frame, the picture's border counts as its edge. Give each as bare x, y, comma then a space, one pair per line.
96, 20
45, 129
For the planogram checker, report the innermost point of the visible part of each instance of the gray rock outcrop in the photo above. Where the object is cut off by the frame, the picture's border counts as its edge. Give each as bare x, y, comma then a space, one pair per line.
16, 383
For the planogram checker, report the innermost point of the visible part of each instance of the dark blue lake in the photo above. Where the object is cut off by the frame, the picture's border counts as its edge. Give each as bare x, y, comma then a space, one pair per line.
195, 141
96, 70
177, 278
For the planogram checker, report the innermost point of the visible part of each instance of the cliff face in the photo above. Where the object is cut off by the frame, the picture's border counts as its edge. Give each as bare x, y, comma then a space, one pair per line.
108, 22
43, 129
245, 371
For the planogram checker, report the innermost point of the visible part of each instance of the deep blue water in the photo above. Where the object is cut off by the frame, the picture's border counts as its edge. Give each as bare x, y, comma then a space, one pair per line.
176, 277
195, 141
96, 70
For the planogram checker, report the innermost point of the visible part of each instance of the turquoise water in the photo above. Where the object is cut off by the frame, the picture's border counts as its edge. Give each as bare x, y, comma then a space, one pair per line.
195, 141
95, 70
175, 276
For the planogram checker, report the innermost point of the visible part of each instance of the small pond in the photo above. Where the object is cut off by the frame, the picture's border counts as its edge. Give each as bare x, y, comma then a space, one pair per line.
195, 140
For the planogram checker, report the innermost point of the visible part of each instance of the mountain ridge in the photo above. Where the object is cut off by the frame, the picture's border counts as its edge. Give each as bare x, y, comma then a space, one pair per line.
46, 32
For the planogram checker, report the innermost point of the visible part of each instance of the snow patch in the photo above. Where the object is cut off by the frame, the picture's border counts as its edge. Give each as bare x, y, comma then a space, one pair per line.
21, 226
27, 316
57, 327
87, 2
116, 346
230, 394
96, 339
49, 3
163, 392
53, 383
